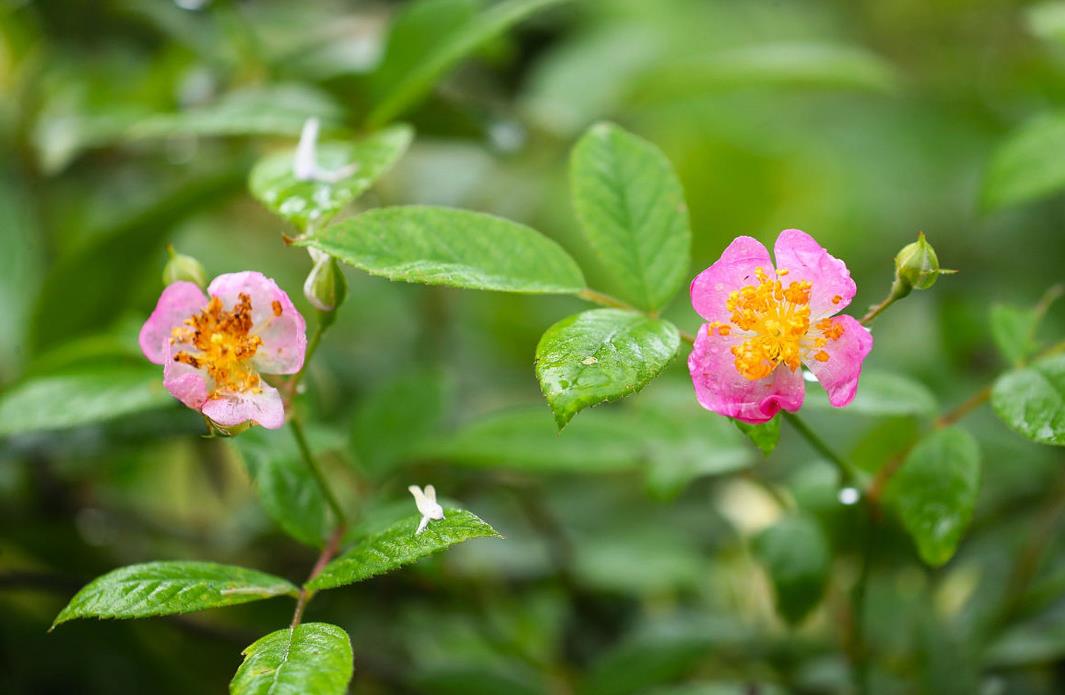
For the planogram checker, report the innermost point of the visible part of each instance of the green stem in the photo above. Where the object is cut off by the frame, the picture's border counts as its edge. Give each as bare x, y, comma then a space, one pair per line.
897, 292
603, 299
316, 472
325, 320
845, 471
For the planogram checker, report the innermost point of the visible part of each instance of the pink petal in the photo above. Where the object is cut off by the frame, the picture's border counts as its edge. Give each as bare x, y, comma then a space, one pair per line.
284, 334
735, 269
185, 383
720, 388
805, 259
231, 409
839, 375
178, 301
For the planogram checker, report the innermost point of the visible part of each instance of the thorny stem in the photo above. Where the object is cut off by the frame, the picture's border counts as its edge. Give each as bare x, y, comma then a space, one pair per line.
846, 472
316, 472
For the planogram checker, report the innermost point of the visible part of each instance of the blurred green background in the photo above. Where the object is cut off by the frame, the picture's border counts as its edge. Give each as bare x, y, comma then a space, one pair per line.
129, 124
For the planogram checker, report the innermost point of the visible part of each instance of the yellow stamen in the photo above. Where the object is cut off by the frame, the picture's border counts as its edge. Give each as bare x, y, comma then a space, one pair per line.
223, 345
778, 316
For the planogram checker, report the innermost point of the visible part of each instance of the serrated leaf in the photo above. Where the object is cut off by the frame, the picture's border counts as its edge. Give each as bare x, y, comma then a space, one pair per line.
308, 204
166, 588
398, 546
764, 436
410, 70
881, 393
312, 658
599, 356
81, 397
1013, 330
286, 488
796, 555
631, 208
1026, 166
445, 246
1032, 400
935, 490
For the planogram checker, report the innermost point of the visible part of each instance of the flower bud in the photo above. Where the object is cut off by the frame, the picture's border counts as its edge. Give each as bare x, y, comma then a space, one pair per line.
183, 268
325, 287
917, 266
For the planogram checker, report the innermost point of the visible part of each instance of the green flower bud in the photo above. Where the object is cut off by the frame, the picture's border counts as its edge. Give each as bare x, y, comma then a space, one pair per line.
183, 268
917, 266
325, 287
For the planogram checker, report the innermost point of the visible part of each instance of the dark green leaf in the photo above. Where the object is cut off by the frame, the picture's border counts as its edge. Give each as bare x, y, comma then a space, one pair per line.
410, 70
443, 246
631, 207
1032, 400
398, 546
309, 659
311, 204
166, 588
599, 356
765, 436
881, 393
796, 555
1027, 166
81, 398
935, 490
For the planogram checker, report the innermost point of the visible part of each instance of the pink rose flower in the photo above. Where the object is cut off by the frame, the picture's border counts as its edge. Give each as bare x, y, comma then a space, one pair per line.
763, 324
213, 350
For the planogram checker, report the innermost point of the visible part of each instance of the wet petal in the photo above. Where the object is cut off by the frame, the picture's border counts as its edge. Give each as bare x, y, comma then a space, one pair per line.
178, 301
274, 319
839, 373
805, 259
735, 269
263, 408
722, 389
184, 382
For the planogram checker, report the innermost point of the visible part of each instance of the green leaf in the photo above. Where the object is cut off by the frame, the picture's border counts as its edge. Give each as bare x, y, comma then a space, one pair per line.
935, 490
309, 659
410, 70
881, 393
1047, 20
286, 488
458, 248
1026, 166
599, 356
1013, 330
21, 266
765, 436
398, 546
166, 588
81, 398
310, 204
796, 555
632, 211
1032, 400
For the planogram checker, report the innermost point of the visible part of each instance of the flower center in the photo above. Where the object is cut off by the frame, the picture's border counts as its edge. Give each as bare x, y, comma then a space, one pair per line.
223, 345
778, 316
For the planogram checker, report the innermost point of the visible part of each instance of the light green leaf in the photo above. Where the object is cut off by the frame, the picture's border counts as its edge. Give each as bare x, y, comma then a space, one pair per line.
286, 488
398, 546
881, 393
1047, 20
632, 211
1027, 165
309, 204
427, 60
796, 555
444, 246
601, 355
1032, 400
309, 659
1013, 329
271, 110
81, 398
935, 490
166, 588
765, 436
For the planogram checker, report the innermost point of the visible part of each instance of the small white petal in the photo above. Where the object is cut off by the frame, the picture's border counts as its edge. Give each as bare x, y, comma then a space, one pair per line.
421, 526
304, 165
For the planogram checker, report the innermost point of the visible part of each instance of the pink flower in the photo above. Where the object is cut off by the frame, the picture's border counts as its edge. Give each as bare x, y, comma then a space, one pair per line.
765, 323
212, 350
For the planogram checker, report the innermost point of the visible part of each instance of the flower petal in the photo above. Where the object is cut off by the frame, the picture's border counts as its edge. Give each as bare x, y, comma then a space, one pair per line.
184, 382
274, 319
263, 408
178, 301
839, 374
722, 389
805, 259
735, 269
